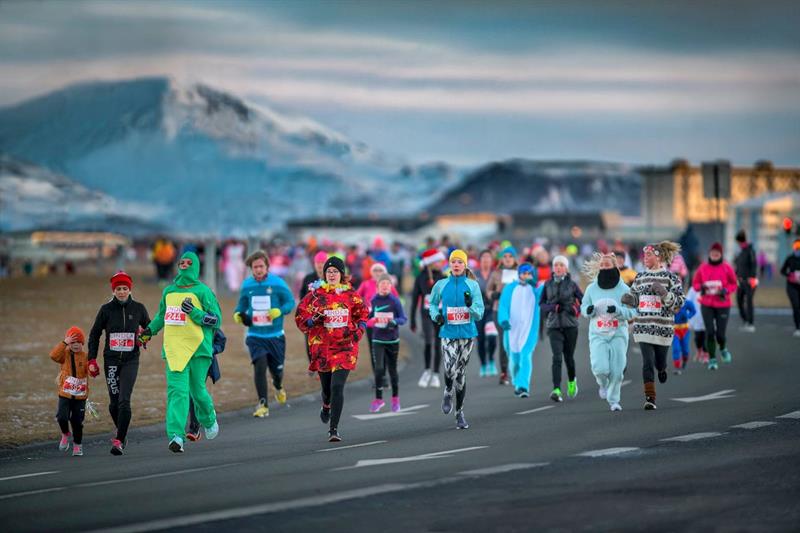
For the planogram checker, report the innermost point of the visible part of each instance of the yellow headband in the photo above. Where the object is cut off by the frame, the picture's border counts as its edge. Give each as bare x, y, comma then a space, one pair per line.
459, 254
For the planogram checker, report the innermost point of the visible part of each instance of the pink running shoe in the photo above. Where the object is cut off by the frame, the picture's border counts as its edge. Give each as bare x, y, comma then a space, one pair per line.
63, 445
376, 405
395, 404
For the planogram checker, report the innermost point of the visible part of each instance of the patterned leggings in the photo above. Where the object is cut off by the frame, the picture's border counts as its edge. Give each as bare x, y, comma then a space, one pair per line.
456, 356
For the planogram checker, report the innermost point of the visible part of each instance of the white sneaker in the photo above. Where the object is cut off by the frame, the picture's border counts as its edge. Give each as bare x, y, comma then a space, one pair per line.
796, 333
435, 383
750, 328
212, 432
616, 407
602, 393
425, 379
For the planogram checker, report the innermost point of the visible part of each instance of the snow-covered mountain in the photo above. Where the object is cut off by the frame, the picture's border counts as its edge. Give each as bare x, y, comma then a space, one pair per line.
33, 197
207, 161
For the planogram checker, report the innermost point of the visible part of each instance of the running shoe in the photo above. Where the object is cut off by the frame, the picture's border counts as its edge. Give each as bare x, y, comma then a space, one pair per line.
280, 396
677, 372
193, 434
176, 444
796, 333
63, 444
447, 402
116, 447
649, 403
325, 413
504, 379
751, 328
262, 409
516, 392
523, 393
712, 364
435, 383
556, 395
602, 392
77, 450
662, 376
616, 406
395, 404
461, 422
212, 432
424, 379
333, 436
482, 372
726, 356
572, 388
492, 370
376, 405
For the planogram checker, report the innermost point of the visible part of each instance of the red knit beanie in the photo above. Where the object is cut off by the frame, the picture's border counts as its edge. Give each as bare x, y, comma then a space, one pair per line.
121, 278
716, 246
77, 332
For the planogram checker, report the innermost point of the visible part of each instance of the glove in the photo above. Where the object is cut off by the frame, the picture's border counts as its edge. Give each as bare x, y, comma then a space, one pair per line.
590, 310
505, 325
145, 336
187, 306
274, 313
237, 317
703, 290
658, 289
393, 323
468, 298
94, 370
723, 293
558, 308
439, 320
576, 309
413, 327
611, 309
628, 299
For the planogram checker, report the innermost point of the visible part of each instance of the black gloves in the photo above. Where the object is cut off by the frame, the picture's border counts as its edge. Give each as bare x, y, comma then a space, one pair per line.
611, 309
468, 298
187, 306
590, 310
439, 321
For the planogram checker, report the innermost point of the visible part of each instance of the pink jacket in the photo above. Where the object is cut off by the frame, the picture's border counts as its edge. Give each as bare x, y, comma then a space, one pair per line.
710, 280
368, 289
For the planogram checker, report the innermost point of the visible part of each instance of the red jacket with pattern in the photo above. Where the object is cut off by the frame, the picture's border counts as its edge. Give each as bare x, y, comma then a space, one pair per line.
339, 317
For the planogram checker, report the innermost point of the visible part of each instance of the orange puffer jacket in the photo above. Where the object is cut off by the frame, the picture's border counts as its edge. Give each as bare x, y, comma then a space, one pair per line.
73, 380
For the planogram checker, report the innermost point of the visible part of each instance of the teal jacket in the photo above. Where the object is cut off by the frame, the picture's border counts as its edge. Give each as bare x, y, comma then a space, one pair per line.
449, 292
280, 297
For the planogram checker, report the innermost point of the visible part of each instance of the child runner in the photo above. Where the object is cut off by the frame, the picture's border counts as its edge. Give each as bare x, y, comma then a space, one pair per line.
487, 329
121, 319
657, 294
518, 316
334, 317
461, 307
608, 326
716, 281
505, 274
219, 342
697, 327
560, 302
791, 269
680, 342
386, 317
263, 302
189, 314
73, 388
433, 263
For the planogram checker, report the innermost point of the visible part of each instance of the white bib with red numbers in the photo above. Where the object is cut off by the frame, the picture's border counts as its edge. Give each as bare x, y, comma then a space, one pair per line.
607, 325
509, 275
458, 316
337, 318
261, 306
713, 286
426, 301
649, 303
174, 316
794, 277
490, 328
122, 342
382, 319
74, 386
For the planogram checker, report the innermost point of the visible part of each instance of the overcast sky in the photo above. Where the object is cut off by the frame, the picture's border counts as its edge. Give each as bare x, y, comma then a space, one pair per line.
460, 81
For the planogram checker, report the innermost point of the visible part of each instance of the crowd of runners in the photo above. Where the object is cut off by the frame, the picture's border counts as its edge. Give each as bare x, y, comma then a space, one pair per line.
495, 298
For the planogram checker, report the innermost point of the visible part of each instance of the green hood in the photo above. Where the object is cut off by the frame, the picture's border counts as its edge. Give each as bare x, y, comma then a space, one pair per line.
190, 276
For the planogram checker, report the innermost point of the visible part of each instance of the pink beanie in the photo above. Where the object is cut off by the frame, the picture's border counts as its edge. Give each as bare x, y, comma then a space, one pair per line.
320, 257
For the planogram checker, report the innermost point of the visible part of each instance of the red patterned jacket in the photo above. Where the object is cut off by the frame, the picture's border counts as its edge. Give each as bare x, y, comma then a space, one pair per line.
339, 317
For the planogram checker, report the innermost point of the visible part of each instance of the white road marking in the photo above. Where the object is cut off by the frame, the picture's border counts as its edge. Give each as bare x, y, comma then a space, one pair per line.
626, 382
719, 395
29, 475
793, 414
114, 481
754, 425
351, 446
402, 412
693, 436
501, 469
545, 408
422, 457
607, 451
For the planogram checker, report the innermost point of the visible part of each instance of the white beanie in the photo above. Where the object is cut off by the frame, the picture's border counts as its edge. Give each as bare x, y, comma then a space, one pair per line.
561, 259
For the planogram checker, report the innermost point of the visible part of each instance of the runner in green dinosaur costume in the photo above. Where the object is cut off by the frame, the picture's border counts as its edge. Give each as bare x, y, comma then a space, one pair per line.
189, 314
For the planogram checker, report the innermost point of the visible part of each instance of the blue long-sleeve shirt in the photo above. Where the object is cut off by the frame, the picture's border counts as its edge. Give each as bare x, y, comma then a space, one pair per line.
387, 308
256, 298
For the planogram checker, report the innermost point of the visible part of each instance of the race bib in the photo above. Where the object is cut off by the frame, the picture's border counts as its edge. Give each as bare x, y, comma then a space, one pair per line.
490, 328
607, 326
122, 342
509, 275
426, 302
261, 306
336, 318
458, 316
649, 303
794, 277
74, 386
713, 286
382, 319
174, 316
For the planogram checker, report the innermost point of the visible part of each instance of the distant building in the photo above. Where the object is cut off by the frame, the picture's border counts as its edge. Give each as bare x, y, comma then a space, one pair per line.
762, 218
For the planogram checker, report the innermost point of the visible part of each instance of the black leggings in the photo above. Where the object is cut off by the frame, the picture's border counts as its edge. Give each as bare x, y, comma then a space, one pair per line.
700, 339
486, 343
562, 344
71, 412
384, 357
433, 345
260, 367
744, 299
121, 376
654, 357
793, 291
716, 321
333, 393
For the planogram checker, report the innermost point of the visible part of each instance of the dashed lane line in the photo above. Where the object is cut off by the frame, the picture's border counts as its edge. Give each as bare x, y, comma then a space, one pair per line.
754, 425
34, 474
793, 414
607, 451
529, 411
352, 446
693, 436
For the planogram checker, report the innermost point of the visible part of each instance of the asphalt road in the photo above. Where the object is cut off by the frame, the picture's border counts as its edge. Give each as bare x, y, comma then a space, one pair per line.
524, 464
